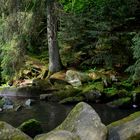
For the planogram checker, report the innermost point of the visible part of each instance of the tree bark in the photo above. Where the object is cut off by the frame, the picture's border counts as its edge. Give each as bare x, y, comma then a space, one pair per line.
55, 64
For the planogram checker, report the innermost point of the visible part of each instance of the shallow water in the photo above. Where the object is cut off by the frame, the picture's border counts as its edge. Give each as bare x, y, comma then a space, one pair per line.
52, 114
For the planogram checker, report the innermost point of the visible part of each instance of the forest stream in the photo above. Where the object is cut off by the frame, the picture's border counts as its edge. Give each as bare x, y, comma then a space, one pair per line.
52, 114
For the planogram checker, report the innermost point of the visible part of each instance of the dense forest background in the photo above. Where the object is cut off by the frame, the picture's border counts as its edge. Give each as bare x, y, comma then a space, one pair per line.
92, 34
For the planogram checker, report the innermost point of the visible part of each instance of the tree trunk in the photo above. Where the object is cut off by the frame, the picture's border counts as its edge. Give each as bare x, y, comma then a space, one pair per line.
55, 64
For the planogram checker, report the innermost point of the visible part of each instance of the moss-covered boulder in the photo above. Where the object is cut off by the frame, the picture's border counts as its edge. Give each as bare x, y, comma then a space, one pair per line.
31, 127
76, 78
92, 95
122, 102
92, 91
41, 83
72, 100
125, 129
82, 122
58, 135
65, 93
8, 132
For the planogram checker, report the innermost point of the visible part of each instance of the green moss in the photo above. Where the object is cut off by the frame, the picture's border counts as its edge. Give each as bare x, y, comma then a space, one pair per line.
93, 86
18, 137
125, 85
31, 127
124, 93
109, 92
124, 120
42, 83
1, 88
1, 125
121, 102
68, 123
70, 92
72, 100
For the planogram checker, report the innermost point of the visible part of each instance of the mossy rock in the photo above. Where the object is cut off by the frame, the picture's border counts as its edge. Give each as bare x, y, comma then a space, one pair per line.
72, 74
82, 122
72, 100
31, 127
125, 129
122, 102
66, 93
8, 132
124, 120
58, 135
41, 83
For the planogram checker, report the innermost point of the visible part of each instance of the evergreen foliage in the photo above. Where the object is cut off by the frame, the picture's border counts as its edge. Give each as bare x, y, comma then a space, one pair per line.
91, 33
20, 33
101, 31
135, 68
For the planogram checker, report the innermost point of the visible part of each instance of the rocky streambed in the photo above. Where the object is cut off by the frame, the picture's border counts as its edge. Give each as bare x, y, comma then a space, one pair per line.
82, 123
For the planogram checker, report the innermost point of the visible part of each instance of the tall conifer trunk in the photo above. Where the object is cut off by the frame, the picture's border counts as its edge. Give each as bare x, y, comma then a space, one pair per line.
55, 64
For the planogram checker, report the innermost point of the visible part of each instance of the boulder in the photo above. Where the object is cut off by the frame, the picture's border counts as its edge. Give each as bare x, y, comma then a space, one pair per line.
6, 103
58, 135
1, 109
6, 107
41, 83
7, 132
83, 122
31, 127
125, 129
76, 78
93, 95
29, 102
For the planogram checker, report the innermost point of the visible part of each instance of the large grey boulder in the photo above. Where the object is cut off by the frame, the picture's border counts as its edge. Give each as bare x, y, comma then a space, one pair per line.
83, 122
8, 132
58, 135
125, 129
